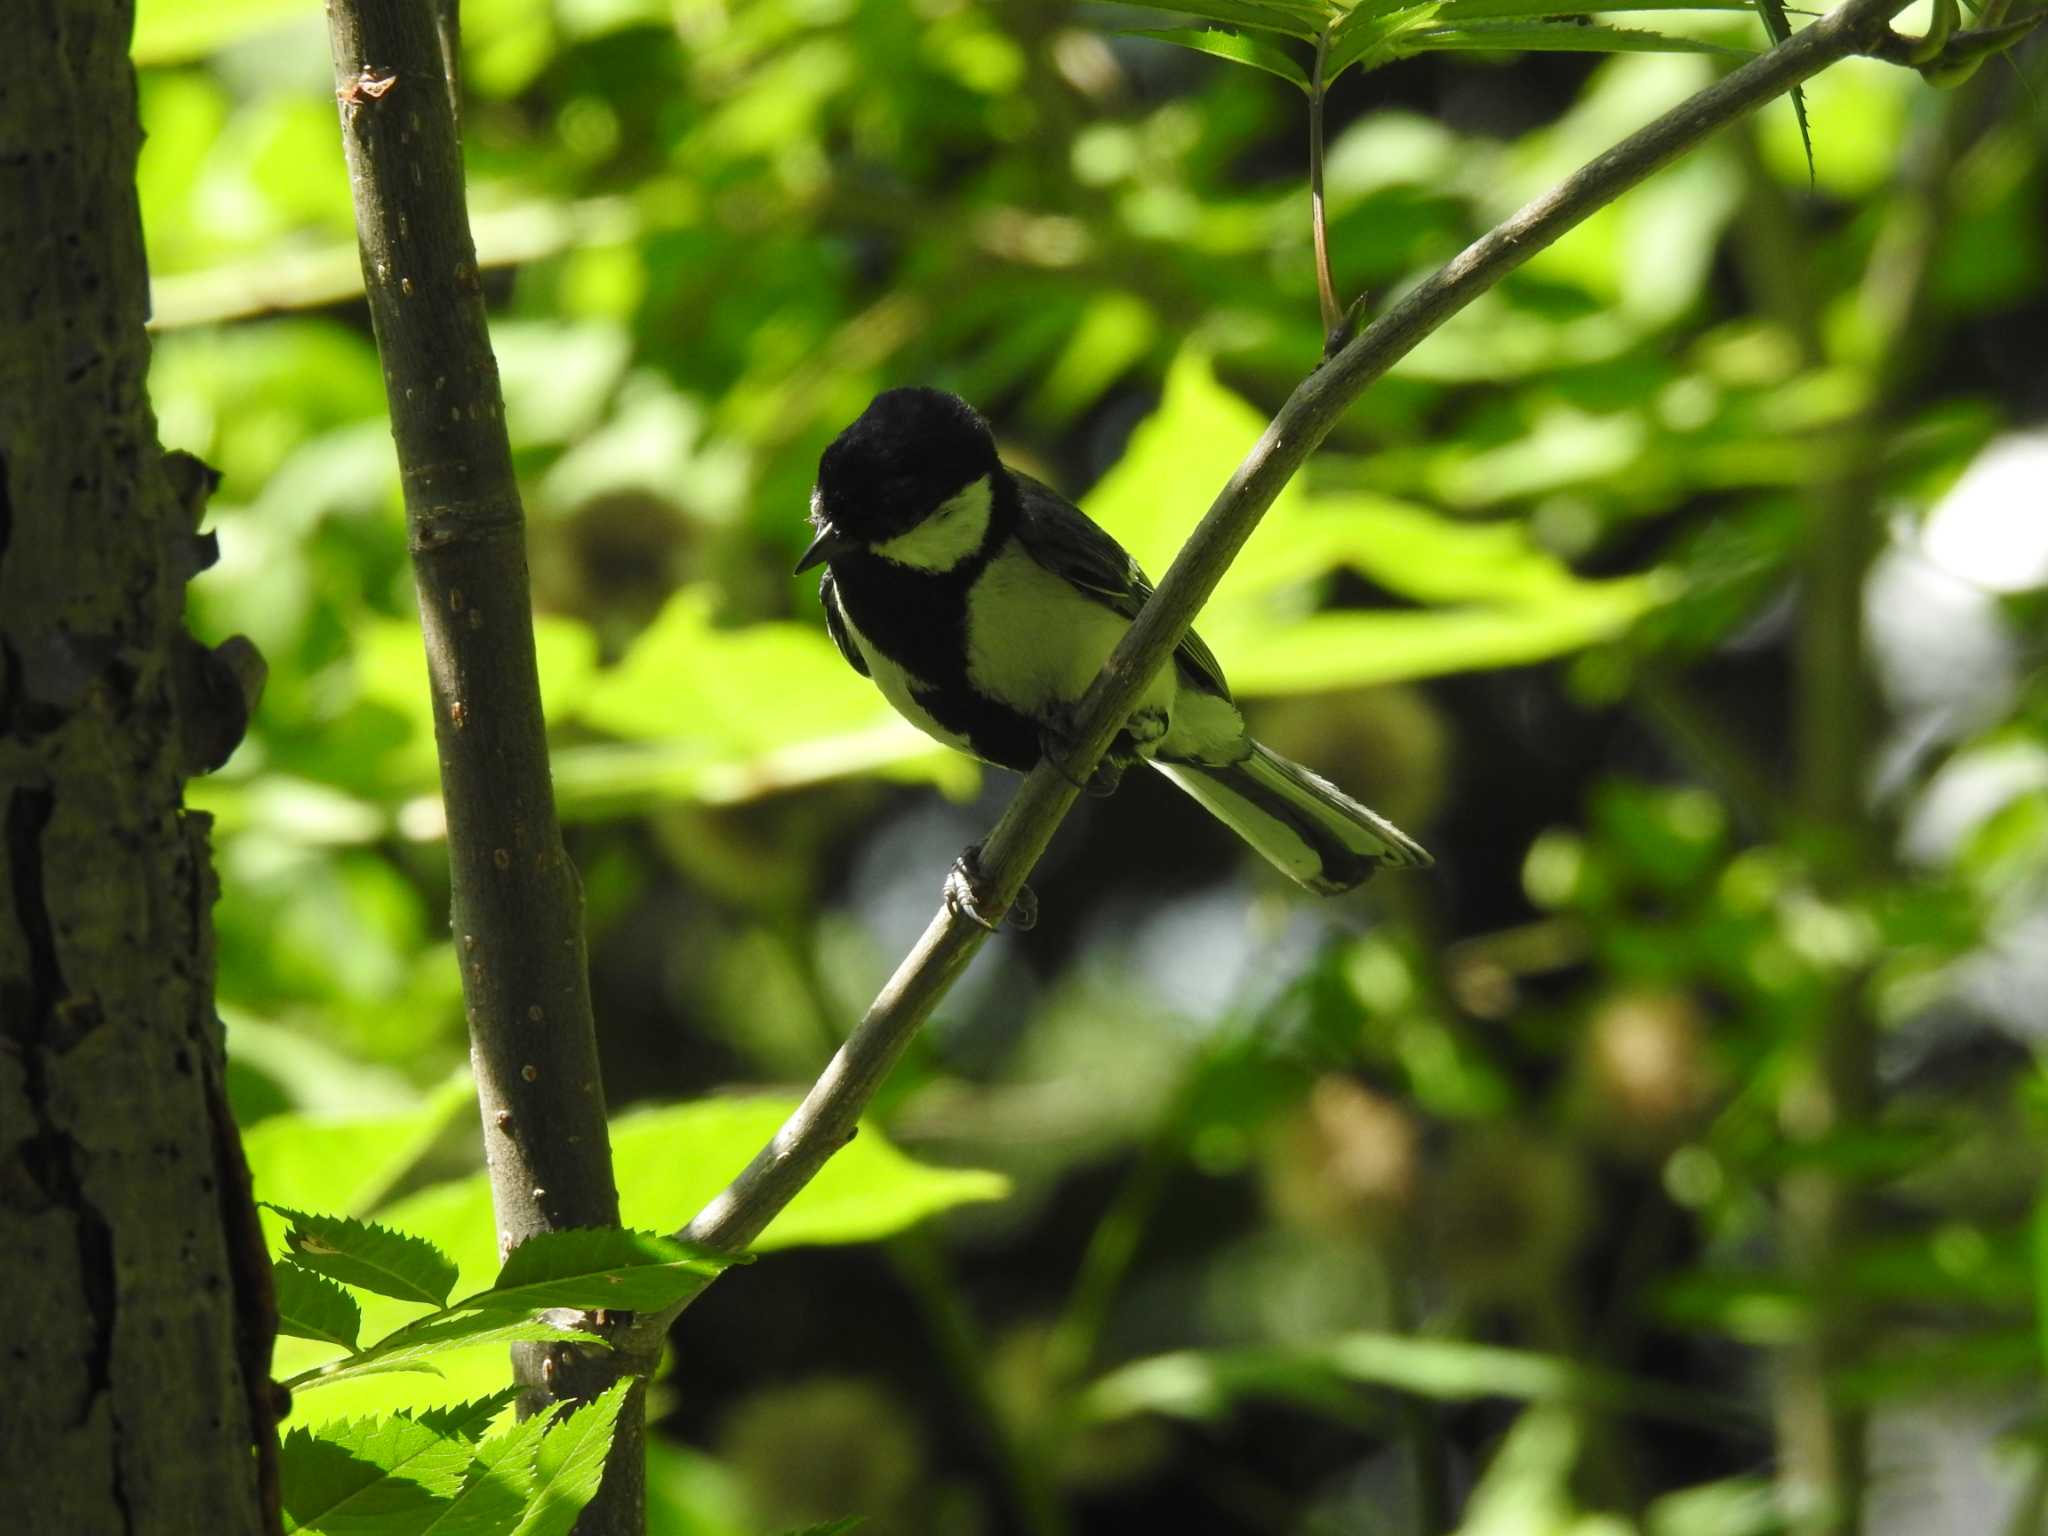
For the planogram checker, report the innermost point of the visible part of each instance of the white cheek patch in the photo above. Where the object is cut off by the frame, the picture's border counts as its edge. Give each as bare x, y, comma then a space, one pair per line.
948, 536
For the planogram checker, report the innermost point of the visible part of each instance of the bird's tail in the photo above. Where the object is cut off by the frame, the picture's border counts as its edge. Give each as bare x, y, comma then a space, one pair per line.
1306, 827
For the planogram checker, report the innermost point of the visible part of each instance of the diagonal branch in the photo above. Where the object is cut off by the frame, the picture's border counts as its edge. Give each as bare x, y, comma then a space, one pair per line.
830, 1113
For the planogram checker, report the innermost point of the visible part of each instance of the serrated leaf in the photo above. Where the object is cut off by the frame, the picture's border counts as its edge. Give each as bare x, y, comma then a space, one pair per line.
500, 1484
1459, 12
1289, 18
468, 1420
1778, 27
410, 1348
570, 1464
1553, 37
1455, 13
369, 1256
1234, 46
599, 1267
1363, 37
369, 1477
311, 1306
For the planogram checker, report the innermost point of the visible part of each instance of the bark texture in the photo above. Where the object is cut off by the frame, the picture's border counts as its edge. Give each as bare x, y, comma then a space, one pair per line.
131, 1331
518, 905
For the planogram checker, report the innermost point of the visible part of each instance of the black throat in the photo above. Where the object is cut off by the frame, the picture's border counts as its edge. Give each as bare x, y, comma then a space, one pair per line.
918, 619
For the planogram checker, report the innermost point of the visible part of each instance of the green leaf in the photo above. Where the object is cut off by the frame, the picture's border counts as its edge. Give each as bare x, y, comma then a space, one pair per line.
1203, 1384
589, 1268
570, 1464
344, 1163
1459, 12
409, 1349
173, 31
1233, 46
1554, 37
1356, 648
311, 1306
687, 676
468, 1420
669, 1161
369, 1256
686, 702
1363, 36
500, 1482
533, 1478
1291, 18
369, 1477
676, 1159
839, 1527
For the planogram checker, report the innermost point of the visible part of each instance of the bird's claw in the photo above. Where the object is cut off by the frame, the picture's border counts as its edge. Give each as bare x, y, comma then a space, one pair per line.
963, 895
1109, 772
1144, 728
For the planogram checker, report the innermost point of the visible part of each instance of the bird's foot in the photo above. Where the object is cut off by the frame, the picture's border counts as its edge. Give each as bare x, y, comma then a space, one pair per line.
963, 895
1139, 735
1057, 748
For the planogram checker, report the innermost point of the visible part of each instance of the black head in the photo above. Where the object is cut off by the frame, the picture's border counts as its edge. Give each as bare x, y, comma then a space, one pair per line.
910, 450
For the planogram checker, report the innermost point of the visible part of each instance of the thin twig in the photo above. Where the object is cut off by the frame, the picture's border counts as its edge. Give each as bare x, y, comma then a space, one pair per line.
830, 1113
518, 905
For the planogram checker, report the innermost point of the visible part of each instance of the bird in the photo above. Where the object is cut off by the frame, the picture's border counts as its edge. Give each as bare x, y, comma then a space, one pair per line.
982, 603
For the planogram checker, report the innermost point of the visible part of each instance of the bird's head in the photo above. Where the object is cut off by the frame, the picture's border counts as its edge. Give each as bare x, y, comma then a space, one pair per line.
912, 481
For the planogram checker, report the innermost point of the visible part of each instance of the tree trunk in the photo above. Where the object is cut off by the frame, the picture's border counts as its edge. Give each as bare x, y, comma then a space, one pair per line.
134, 1279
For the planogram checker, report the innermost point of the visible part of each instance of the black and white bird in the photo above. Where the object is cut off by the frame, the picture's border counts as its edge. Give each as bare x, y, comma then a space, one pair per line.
982, 603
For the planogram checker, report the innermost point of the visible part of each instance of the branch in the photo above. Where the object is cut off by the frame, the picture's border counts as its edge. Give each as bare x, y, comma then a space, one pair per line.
830, 1113
518, 906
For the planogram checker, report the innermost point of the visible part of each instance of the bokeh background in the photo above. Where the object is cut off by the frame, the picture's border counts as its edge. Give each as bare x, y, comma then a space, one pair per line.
1509, 1196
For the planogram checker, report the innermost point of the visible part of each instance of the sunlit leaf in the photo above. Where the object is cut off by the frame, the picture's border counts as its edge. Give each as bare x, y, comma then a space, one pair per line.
468, 1420
172, 31
1203, 1384
369, 1477
345, 1164
1291, 18
1234, 46
1554, 37
311, 1306
414, 1347
369, 1256
672, 1161
570, 1463
590, 1268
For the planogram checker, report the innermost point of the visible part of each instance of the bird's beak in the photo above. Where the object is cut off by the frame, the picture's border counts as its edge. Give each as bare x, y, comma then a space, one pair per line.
829, 542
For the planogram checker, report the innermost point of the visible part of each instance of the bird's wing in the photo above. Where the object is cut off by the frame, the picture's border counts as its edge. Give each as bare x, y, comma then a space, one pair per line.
1067, 542
835, 624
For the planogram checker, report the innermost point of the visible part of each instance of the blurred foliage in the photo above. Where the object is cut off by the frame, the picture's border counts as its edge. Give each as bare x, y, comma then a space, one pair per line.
1462, 1203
